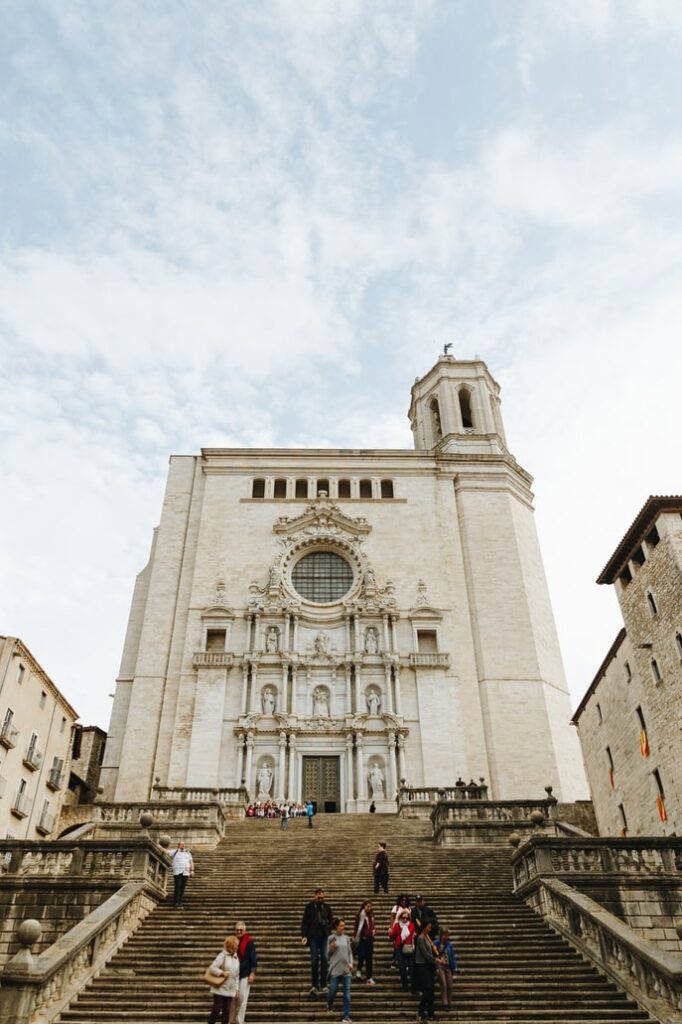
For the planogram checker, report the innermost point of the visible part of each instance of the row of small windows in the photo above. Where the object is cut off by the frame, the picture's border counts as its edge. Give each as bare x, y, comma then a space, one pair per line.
639, 556
305, 488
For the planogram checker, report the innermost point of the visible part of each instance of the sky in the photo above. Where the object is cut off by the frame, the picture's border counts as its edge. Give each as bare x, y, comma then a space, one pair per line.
254, 224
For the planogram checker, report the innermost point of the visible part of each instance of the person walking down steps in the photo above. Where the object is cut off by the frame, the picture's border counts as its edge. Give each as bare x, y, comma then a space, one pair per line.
248, 964
340, 957
315, 928
380, 869
365, 931
226, 965
310, 810
183, 869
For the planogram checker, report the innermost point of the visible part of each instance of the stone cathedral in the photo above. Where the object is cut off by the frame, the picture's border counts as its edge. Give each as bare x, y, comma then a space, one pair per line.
326, 623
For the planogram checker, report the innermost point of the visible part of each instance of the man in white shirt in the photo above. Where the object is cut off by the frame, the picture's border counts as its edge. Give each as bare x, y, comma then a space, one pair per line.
183, 867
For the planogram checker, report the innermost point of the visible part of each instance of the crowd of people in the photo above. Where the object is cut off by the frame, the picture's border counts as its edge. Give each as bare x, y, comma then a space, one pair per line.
421, 952
275, 809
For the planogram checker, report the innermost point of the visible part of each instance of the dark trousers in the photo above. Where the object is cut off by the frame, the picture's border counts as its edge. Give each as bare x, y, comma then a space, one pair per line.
405, 963
318, 962
221, 1007
310, 821
424, 978
380, 882
179, 883
366, 956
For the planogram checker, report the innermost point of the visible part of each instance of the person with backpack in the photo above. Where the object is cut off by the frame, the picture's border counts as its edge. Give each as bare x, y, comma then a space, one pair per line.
446, 969
364, 941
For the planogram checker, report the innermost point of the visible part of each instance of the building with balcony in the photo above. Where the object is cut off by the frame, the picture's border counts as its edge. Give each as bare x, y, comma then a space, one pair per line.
36, 722
629, 720
324, 623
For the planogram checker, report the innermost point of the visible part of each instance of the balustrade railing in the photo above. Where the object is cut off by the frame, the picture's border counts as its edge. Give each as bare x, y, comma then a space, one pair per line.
54, 779
21, 805
46, 823
632, 858
212, 659
650, 975
8, 735
201, 794
40, 988
432, 660
33, 758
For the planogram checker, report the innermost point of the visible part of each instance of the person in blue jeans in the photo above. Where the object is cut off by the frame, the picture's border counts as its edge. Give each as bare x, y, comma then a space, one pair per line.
340, 956
310, 810
315, 928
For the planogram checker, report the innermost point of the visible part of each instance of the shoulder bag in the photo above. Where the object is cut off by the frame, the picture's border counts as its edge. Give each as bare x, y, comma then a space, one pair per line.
214, 980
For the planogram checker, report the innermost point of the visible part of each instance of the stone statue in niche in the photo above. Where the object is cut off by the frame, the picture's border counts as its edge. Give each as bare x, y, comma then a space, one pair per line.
422, 597
268, 701
320, 703
376, 782
373, 703
371, 640
321, 643
265, 777
370, 579
274, 576
272, 640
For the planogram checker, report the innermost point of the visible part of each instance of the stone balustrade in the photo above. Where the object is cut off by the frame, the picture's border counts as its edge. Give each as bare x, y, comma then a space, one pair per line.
39, 988
433, 660
490, 821
419, 801
637, 879
650, 975
237, 798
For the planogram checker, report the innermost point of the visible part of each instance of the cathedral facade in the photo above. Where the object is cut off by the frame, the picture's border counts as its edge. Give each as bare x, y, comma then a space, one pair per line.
326, 623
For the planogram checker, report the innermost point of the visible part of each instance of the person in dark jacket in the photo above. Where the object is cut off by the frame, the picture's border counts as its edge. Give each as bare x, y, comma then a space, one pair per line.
365, 930
421, 913
426, 961
248, 963
380, 869
315, 929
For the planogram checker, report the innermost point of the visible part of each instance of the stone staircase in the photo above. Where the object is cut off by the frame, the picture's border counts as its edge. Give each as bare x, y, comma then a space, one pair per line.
514, 967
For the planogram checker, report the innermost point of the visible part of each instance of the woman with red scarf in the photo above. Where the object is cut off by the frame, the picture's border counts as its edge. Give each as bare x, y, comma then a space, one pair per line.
402, 933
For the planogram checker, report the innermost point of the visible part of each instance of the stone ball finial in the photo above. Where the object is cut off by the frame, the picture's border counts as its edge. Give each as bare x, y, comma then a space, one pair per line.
29, 931
549, 790
537, 818
514, 839
146, 819
164, 840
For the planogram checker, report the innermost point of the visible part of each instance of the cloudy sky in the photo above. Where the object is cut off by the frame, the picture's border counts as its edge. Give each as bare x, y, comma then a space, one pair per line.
229, 223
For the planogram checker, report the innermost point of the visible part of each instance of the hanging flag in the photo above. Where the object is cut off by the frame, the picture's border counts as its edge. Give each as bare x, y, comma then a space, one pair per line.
612, 778
660, 806
643, 743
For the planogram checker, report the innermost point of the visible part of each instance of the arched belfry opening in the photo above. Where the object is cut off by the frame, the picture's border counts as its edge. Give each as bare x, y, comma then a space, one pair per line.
436, 425
465, 408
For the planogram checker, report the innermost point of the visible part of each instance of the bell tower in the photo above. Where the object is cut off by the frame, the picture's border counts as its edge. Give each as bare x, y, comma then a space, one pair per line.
456, 408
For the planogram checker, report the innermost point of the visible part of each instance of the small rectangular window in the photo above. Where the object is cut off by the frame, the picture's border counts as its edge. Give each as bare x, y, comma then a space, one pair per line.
322, 485
365, 488
386, 488
678, 643
623, 820
651, 604
659, 785
652, 537
77, 742
640, 716
344, 488
21, 672
301, 488
628, 672
280, 489
638, 556
427, 641
656, 671
609, 758
599, 714
625, 576
43, 698
215, 639
258, 490
62, 727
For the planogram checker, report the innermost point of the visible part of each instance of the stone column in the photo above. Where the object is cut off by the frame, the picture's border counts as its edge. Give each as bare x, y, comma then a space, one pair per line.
401, 758
291, 788
392, 783
282, 765
284, 699
387, 642
398, 698
294, 689
356, 638
257, 638
240, 761
346, 619
394, 633
349, 690
245, 688
362, 781
358, 683
389, 688
254, 682
249, 762
350, 792
295, 632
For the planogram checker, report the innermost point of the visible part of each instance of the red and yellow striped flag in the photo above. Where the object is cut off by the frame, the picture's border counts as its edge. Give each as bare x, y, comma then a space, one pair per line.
643, 743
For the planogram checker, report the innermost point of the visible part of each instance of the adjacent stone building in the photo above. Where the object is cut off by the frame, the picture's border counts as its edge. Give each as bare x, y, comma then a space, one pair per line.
35, 744
630, 719
87, 752
325, 623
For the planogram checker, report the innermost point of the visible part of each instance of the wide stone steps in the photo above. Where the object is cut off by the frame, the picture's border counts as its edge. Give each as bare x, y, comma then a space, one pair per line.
514, 968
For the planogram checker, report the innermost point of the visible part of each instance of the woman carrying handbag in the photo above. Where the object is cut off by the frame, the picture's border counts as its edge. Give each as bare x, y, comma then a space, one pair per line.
223, 978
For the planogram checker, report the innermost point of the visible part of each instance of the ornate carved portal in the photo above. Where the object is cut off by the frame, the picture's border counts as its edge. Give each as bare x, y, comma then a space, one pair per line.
322, 782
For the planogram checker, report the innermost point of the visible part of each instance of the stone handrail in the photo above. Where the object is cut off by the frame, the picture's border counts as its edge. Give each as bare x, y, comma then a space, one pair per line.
139, 859
579, 855
433, 660
510, 811
199, 794
430, 795
39, 988
651, 976
212, 659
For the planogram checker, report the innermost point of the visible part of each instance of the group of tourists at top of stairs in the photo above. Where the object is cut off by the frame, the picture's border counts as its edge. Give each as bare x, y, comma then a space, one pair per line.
421, 951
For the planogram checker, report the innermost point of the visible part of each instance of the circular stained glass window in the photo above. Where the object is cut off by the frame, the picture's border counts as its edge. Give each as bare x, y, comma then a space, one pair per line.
322, 576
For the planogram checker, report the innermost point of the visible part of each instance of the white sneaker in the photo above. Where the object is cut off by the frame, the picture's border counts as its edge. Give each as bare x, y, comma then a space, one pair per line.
358, 974
371, 981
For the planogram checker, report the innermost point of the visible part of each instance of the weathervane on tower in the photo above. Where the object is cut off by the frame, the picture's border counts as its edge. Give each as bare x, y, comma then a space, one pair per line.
446, 348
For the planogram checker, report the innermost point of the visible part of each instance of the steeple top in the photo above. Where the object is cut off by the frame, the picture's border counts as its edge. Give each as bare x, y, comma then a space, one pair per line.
456, 407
